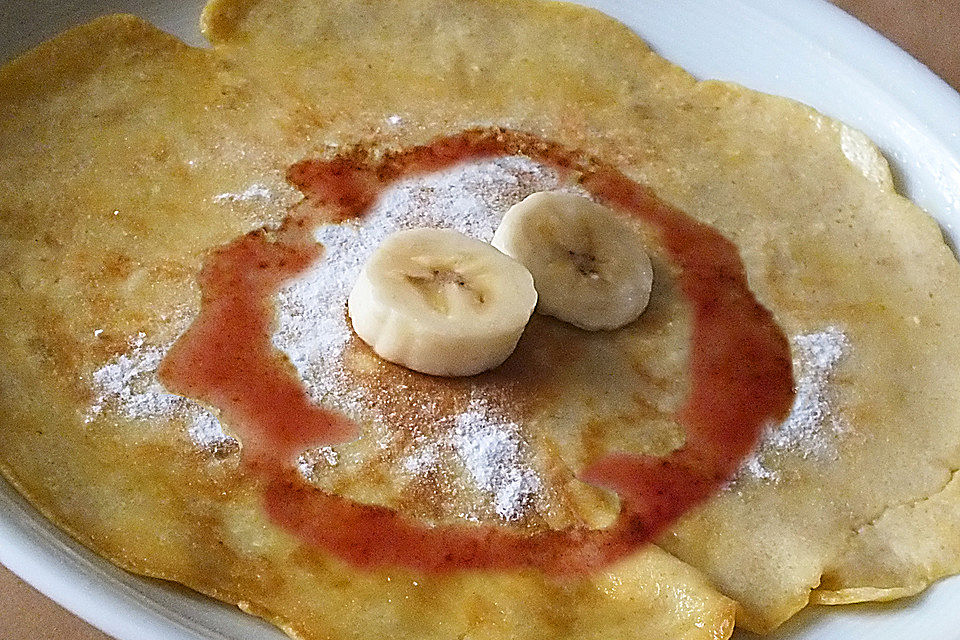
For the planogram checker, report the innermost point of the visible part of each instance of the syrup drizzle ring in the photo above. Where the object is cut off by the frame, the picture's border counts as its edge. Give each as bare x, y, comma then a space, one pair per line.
741, 376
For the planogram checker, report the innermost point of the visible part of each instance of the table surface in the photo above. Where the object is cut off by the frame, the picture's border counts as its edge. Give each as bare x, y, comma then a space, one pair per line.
928, 29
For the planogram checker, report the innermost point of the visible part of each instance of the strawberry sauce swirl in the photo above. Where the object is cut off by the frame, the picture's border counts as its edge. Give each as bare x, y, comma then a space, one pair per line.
740, 369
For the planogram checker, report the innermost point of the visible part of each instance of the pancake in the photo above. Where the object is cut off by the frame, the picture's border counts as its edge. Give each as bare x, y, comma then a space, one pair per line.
129, 157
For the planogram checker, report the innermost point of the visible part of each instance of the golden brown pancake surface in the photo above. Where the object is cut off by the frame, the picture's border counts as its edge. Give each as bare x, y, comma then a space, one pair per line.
128, 156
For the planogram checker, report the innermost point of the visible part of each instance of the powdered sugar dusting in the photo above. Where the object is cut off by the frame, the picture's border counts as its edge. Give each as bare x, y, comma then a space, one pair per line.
128, 385
813, 423
205, 429
129, 382
425, 458
309, 461
492, 450
253, 192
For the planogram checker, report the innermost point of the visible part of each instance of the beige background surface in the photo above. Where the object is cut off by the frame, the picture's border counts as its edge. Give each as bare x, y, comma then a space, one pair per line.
928, 29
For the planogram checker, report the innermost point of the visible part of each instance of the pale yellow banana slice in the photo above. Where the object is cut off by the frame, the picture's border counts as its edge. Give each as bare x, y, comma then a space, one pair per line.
589, 266
439, 302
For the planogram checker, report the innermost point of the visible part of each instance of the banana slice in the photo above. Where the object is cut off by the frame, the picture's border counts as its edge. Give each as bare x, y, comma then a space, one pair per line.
439, 302
589, 266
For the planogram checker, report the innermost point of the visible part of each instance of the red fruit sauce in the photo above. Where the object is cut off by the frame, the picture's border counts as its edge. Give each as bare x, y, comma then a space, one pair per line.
741, 378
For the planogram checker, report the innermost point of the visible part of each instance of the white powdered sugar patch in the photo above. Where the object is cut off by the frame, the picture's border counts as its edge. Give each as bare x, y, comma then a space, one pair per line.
425, 458
310, 461
492, 451
204, 427
253, 192
813, 423
128, 385
129, 382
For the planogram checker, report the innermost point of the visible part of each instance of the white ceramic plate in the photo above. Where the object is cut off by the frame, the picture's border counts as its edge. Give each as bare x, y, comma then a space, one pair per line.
804, 49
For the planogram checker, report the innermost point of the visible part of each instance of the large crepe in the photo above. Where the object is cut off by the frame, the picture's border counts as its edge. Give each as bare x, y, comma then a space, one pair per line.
120, 147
